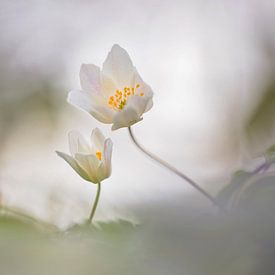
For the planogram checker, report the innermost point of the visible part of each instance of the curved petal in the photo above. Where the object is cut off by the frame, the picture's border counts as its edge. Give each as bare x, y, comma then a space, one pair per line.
72, 162
118, 66
126, 118
73, 143
94, 166
144, 87
77, 143
102, 173
97, 140
90, 78
149, 105
90, 164
107, 156
108, 86
93, 104
138, 103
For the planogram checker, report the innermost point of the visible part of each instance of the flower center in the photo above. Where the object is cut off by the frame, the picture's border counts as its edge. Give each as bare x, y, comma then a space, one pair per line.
119, 99
98, 155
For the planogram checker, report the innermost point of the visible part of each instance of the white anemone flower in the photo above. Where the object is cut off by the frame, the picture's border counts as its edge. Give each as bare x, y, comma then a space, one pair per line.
91, 161
114, 95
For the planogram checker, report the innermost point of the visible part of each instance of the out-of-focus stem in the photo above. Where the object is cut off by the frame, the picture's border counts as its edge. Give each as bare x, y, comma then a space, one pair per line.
173, 169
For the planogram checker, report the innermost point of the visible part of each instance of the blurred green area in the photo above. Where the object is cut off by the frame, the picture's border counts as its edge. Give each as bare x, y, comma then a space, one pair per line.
199, 242
260, 127
33, 247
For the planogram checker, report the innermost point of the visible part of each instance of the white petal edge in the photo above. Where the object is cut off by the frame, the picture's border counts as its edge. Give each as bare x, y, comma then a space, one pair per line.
90, 164
77, 143
107, 157
73, 163
149, 105
102, 173
92, 104
118, 66
97, 140
125, 118
138, 103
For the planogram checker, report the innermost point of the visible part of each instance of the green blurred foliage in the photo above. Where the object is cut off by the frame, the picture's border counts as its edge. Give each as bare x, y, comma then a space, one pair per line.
260, 127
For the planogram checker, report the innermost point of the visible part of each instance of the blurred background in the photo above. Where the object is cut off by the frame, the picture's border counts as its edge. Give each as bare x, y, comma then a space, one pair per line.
211, 65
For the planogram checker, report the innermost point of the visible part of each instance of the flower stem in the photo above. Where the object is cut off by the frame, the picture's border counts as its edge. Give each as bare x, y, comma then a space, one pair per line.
262, 168
174, 170
95, 203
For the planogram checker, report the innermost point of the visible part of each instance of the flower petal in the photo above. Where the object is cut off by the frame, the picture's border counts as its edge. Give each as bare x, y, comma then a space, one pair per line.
94, 167
93, 104
118, 66
144, 87
138, 103
102, 173
97, 140
90, 164
108, 86
132, 112
72, 162
90, 78
149, 105
77, 143
125, 118
107, 156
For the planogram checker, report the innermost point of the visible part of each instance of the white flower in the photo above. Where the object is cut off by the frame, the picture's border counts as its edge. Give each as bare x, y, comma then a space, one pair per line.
91, 161
116, 94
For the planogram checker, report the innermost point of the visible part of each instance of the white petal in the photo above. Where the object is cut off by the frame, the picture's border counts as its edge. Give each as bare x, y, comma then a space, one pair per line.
118, 66
125, 118
132, 112
102, 173
93, 104
77, 143
137, 103
73, 143
144, 87
90, 164
107, 156
90, 78
149, 105
97, 140
94, 167
72, 162
108, 86
80, 99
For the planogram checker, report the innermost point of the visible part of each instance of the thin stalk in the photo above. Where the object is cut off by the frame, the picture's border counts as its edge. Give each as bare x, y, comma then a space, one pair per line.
95, 202
173, 169
262, 168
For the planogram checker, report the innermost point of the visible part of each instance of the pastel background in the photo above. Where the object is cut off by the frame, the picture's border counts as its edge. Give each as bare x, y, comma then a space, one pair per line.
211, 66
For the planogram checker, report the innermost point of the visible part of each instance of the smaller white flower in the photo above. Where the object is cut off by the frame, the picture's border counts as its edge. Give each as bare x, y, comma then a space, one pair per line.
114, 95
91, 161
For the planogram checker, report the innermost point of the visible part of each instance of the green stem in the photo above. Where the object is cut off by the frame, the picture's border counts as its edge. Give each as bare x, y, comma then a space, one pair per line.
174, 170
95, 203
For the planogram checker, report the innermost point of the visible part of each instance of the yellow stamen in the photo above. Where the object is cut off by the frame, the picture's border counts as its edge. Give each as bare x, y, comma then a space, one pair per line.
141, 94
98, 155
119, 99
